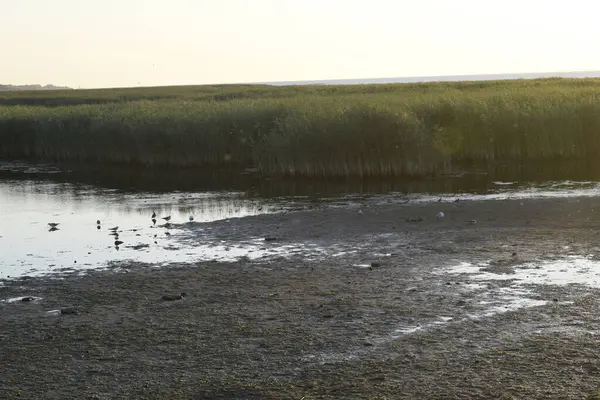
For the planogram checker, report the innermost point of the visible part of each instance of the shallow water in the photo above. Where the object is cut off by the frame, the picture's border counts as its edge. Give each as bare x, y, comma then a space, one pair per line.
572, 269
28, 246
32, 195
520, 293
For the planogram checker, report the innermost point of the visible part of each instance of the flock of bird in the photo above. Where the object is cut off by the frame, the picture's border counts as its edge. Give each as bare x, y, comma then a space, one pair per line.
114, 231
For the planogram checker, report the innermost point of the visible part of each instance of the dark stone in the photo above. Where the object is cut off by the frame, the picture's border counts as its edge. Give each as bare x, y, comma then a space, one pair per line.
174, 297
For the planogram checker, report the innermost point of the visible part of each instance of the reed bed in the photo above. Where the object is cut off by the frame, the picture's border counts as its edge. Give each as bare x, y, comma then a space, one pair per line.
354, 130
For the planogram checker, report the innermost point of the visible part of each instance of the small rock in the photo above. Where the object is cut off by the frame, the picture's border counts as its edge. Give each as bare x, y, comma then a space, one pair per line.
69, 311
375, 265
27, 299
270, 239
170, 297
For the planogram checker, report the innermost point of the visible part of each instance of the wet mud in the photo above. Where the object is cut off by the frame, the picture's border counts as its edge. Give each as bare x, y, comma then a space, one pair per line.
365, 304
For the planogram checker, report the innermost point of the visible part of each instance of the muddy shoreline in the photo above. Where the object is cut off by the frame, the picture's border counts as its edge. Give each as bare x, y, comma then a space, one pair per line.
315, 326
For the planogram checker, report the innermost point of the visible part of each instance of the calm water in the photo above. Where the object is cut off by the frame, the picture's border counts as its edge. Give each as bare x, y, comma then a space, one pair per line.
447, 78
27, 246
31, 196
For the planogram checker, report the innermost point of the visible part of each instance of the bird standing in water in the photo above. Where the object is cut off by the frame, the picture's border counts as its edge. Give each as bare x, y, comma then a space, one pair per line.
153, 215
191, 218
167, 218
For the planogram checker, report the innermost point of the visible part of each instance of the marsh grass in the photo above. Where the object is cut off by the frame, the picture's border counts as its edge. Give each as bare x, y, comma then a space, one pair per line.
364, 130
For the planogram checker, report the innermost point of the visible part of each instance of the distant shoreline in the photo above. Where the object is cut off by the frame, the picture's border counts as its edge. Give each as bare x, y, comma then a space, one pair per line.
24, 88
440, 78
352, 81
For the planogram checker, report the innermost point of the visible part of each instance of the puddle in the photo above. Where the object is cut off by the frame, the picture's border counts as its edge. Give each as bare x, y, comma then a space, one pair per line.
22, 299
520, 293
583, 270
510, 303
406, 330
491, 300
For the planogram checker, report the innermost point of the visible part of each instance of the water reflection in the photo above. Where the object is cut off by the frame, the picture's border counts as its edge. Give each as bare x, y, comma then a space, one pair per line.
29, 245
33, 195
466, 179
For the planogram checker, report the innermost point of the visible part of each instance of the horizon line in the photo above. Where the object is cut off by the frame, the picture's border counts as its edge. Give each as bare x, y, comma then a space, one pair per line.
350, 81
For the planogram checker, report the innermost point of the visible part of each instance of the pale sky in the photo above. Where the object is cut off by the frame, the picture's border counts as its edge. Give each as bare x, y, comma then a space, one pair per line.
113, 43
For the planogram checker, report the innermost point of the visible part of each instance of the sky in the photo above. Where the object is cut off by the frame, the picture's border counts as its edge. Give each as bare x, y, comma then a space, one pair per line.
122, 43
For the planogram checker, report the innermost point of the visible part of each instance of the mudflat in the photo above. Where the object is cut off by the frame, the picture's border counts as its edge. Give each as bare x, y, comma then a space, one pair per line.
369, 308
